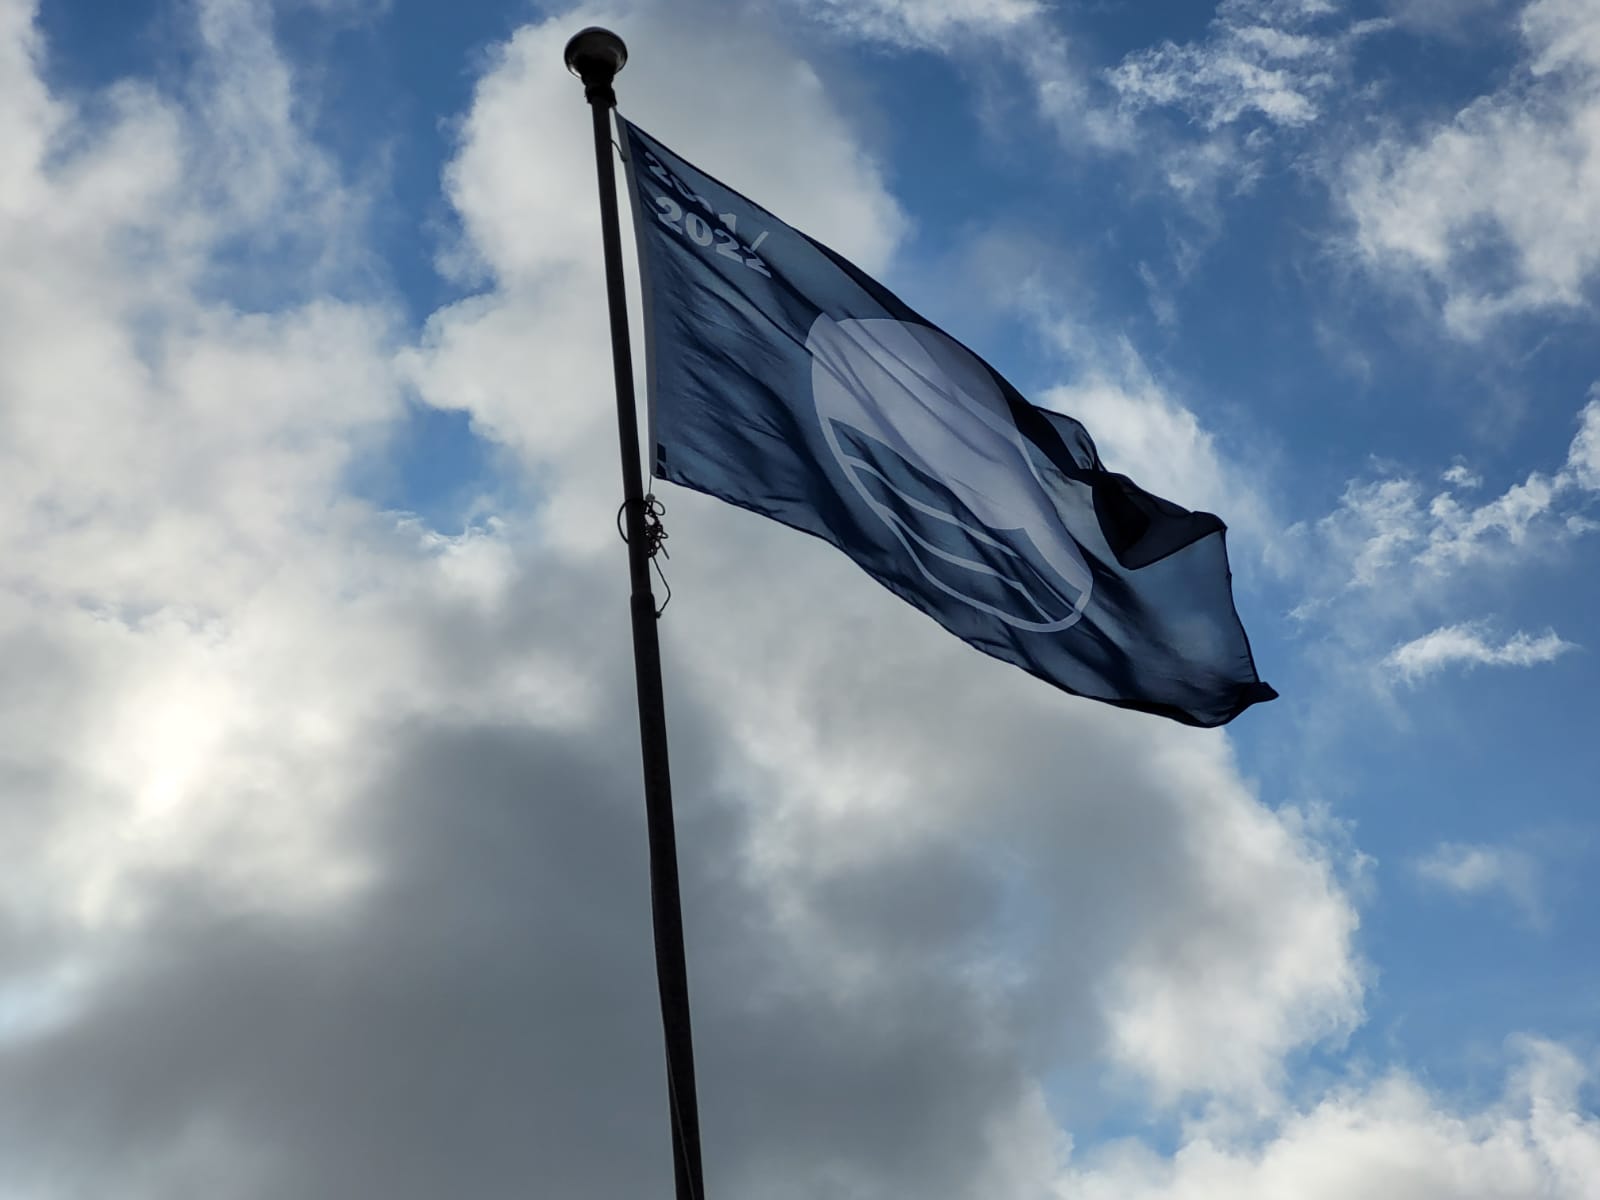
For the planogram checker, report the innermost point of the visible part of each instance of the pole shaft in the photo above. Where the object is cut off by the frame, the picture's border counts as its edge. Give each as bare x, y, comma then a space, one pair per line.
672, 976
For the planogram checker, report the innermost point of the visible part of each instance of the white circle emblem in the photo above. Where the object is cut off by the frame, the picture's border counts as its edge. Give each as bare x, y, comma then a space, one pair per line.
928, 399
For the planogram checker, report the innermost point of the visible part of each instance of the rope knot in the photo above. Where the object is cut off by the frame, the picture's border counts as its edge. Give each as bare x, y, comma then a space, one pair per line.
655, 533
655, 539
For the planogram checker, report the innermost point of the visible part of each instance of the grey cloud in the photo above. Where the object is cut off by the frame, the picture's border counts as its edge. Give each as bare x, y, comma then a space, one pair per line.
918, 885
482, 1019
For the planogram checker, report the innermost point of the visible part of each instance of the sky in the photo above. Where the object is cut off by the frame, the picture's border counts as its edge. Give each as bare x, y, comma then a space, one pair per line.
319, 789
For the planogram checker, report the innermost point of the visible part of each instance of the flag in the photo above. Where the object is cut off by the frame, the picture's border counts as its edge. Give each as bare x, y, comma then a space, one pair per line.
785, 380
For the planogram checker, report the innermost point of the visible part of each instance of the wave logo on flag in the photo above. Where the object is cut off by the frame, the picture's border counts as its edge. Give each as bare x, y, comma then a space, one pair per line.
923, 434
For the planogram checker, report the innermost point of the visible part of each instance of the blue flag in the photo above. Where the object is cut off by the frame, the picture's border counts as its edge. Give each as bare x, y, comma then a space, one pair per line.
785, 380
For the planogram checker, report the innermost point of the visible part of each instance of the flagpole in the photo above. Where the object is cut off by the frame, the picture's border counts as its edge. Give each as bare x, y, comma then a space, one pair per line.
595, 56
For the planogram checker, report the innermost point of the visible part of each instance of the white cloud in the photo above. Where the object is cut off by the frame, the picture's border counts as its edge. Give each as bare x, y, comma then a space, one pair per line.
1392, 1139
1562, 33
1583, 459
1217, 999
918, 24
1001, 40
165, 455
1383, 579
1268, 59
1476, 870
1400, 542
1496, 208
1449, 645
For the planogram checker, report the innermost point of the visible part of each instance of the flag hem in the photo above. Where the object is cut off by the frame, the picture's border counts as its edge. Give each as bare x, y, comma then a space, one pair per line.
646, 291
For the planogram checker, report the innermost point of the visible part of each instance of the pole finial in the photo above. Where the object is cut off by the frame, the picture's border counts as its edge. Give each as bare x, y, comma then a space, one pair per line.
595, 55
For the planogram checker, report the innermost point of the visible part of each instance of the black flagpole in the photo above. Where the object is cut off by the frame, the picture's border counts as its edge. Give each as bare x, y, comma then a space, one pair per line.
595, 56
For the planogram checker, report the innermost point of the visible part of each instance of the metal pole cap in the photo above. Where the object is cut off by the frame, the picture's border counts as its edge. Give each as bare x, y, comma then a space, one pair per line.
595, 55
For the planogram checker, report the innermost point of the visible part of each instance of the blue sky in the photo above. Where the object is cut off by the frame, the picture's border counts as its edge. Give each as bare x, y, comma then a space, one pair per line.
315, 612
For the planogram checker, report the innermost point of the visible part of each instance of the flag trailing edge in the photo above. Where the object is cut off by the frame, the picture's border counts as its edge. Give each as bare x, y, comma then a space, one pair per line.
783, 379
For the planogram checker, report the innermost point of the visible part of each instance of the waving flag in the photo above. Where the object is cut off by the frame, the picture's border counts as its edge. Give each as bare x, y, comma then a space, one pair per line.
784, 379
